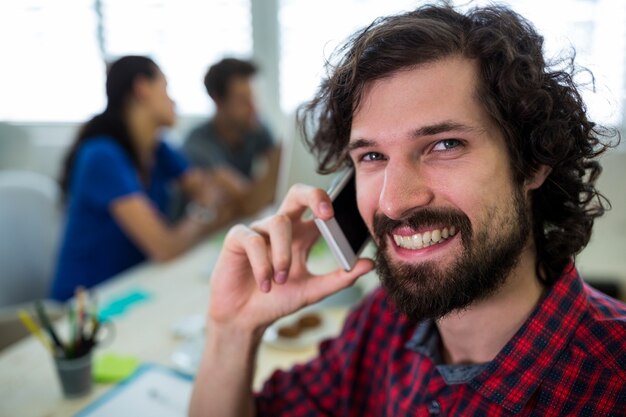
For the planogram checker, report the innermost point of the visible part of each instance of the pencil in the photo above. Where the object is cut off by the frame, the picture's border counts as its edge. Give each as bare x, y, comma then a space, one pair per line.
32, 327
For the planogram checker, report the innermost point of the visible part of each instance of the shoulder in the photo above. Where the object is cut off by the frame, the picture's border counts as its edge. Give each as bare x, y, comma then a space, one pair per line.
602, 333
200, 132
165, 147
263, 133
101, 147
99, 153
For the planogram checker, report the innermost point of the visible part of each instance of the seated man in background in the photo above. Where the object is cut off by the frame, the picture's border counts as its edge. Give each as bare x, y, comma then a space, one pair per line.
475, 167
234, 145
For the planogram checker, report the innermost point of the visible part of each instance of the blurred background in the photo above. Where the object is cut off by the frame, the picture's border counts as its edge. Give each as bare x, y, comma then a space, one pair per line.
54, 55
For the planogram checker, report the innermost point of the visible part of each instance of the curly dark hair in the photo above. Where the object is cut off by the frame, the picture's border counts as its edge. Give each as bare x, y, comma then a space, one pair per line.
537, 107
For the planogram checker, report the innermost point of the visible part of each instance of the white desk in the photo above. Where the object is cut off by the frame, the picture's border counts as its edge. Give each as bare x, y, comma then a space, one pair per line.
178, 289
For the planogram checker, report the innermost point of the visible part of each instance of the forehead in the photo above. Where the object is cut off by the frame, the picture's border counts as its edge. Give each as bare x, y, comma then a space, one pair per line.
159, 78
443, 91
239, 86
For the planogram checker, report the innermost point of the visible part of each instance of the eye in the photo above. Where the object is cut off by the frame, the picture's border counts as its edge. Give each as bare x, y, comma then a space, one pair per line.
372, 156
447, 145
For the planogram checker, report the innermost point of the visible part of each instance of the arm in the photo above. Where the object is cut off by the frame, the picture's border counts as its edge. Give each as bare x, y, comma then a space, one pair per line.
147, 228
260, 276
263, 190
207, 189
249, 197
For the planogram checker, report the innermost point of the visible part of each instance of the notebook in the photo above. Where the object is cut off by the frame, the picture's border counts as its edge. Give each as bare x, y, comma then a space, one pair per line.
154, 390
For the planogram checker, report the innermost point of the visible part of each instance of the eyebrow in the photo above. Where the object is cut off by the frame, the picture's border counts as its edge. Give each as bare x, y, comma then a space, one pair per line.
429, 130
441, 128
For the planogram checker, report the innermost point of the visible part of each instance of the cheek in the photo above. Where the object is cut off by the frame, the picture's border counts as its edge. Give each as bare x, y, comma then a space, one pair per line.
367, 196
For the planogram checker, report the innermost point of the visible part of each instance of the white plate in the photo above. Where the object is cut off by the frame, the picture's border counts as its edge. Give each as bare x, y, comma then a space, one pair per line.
308, 337
186, 358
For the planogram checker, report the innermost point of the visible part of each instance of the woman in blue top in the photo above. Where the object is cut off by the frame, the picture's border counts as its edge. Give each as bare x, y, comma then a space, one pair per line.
115, 179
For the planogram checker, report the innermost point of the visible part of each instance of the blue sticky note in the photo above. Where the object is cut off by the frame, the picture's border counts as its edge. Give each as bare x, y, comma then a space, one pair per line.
120, 305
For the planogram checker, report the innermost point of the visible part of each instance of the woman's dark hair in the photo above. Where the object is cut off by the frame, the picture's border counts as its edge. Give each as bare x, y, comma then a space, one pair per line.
536, 106
121, 76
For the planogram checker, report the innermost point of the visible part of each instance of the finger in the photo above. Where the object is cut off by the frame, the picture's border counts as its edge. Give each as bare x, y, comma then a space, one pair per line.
280, 235
308, 235
302, 197
256, 249
321, 286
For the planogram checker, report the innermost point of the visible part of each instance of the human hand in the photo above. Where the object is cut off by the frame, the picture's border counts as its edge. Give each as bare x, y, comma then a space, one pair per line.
261, 274
230, 180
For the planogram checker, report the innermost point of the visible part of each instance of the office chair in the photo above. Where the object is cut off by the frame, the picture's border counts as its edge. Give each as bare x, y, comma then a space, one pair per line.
29, 231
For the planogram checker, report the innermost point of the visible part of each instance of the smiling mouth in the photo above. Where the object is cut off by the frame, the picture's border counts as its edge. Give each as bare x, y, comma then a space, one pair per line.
424, 240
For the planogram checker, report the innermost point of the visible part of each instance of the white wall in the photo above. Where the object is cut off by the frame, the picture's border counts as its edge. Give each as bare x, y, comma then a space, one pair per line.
605, 256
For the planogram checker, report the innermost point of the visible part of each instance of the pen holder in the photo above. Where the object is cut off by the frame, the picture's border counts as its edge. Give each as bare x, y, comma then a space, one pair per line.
75, 375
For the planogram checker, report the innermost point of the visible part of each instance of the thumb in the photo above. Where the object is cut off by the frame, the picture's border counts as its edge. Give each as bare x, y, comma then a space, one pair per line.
321, 286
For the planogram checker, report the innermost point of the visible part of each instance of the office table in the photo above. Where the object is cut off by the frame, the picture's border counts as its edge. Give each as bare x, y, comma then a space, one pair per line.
177, 290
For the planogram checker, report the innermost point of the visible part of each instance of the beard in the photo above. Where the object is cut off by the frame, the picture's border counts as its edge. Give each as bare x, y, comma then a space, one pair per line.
430, 290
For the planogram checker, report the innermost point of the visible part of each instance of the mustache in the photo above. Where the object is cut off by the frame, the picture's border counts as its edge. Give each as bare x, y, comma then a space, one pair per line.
383, 225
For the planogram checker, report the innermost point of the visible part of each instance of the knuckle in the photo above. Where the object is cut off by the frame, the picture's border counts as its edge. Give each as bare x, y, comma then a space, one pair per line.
280, 221
282, 261
255, 239
319, 194
298, 189
237, 231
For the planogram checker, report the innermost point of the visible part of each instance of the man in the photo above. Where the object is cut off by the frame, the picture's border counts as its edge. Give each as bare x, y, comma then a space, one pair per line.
475, 175
233, 143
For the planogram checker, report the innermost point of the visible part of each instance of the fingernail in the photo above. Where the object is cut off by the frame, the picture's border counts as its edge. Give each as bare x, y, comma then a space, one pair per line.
265, 286
281, 277
325, 208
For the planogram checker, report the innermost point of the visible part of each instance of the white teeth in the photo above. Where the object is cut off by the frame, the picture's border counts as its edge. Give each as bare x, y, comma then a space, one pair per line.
424, 240
417, 241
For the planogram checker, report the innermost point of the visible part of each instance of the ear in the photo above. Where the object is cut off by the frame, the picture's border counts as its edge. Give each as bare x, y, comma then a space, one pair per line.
219, 102
140, 87
538, 178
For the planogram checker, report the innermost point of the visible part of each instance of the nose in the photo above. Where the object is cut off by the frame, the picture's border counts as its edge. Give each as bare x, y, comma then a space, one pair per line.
405, 188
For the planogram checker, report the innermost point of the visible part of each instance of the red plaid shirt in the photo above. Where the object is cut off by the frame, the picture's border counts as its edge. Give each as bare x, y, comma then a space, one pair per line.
568, 359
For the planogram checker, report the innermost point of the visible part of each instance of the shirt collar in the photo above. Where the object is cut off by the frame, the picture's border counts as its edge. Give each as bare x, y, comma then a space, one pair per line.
518, 370
427, 341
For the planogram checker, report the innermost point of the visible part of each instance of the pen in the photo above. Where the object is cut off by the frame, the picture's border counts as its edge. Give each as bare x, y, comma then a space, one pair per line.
72, 342
80, 312
95, 322
32, 327
45, 322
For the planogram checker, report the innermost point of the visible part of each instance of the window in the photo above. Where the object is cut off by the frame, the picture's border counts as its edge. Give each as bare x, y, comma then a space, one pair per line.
311, 30
51, 68
596, 28
183, 36
53, 52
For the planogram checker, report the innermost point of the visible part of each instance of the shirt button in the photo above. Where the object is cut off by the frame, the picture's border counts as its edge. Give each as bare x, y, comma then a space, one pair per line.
434, 408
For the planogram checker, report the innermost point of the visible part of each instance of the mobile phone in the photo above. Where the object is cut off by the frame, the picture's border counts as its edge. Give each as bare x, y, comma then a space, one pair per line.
346, 233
